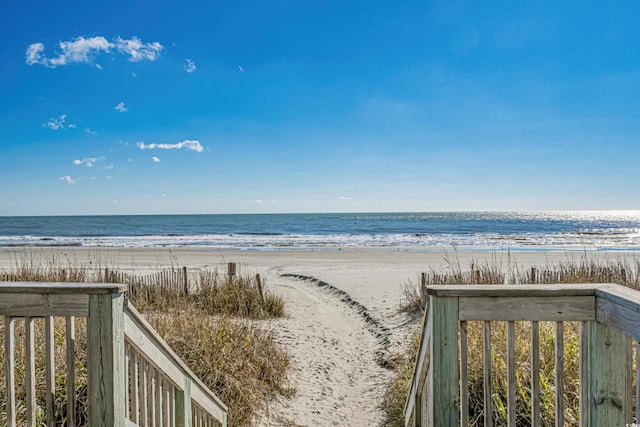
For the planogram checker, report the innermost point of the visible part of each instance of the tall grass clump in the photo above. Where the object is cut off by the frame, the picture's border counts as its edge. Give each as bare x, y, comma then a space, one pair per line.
205, 317
414, 303
246, 368
237, 296
210, 291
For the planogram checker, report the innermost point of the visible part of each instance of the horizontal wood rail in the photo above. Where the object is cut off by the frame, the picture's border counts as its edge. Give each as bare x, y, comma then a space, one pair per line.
608, 316
133, 378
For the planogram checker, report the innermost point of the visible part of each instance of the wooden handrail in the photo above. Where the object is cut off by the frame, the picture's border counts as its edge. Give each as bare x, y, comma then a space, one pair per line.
608, 315
114, 327
141, 335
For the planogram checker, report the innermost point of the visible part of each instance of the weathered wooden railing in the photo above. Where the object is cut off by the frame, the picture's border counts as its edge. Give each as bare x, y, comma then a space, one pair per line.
609, 319
132, 376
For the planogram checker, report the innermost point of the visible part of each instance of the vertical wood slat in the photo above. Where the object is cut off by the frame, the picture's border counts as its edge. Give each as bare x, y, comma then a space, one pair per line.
106, 380
608, 392
559, 368
629, 377
50, 370
443, 374
127, 349
134, 405
152, 395
30, 371
464, 376
70, 342
158, 398
143, 391
511, 374
183, 404
10, 369
167, 403
637, 414
488, 405
584, 374
535, 374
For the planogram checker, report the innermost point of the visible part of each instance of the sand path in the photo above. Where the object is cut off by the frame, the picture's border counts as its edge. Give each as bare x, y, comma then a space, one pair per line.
335, 371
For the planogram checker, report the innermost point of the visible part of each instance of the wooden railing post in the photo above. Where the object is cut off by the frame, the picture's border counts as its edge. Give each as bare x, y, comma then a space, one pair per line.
608, 382
443, 391
106, 364
183, 405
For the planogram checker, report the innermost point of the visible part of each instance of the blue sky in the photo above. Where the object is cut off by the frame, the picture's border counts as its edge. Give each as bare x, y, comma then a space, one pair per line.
318, 106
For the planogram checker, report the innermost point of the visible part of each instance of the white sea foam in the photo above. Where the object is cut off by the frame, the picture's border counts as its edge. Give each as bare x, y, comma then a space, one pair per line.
627, 239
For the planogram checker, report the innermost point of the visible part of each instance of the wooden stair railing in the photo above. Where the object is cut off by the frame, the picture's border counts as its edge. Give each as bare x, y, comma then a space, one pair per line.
609, 324
133, 377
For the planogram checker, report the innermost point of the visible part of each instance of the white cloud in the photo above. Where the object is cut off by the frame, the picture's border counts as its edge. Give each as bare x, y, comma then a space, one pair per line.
190, 66
155, 159
121, 108
56, 123
83, 50
88, 161
88, 131
34, 53
240, 68
137, 50
187, 144
345, 197
68, 179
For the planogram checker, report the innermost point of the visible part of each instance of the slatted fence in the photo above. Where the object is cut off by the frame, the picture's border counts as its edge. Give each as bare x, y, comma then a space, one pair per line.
129, 375
608, 319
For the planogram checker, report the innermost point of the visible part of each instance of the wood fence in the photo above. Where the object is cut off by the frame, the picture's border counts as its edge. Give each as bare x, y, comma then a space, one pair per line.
609, 324
132, 376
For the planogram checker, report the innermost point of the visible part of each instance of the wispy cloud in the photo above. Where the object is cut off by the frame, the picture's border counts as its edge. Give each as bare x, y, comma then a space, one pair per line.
155, 159
88, 161
121, 108
56, 123
345, 197
68, 179
190, 66
88, 131
240, 68
187, 144
84, 50
137, 50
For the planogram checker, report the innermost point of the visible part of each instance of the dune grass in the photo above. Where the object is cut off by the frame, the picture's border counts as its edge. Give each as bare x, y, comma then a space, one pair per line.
206, 317
586, 270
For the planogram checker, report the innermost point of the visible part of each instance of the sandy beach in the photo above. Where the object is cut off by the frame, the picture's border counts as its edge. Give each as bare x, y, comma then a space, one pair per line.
341, 309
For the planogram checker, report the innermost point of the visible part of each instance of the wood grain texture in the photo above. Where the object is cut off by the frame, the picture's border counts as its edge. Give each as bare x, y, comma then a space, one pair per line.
442, 398
608, 391
587, 289
43, 304
10, 369
511, 308
106, 371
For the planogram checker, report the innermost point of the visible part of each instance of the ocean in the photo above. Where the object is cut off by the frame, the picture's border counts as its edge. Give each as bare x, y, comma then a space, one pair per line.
561, 230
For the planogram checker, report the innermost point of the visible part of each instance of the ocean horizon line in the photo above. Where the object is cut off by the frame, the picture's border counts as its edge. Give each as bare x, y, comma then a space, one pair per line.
464, 211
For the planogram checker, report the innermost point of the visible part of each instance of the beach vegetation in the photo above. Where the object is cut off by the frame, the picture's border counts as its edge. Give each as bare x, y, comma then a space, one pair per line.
237, 359
586, 270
